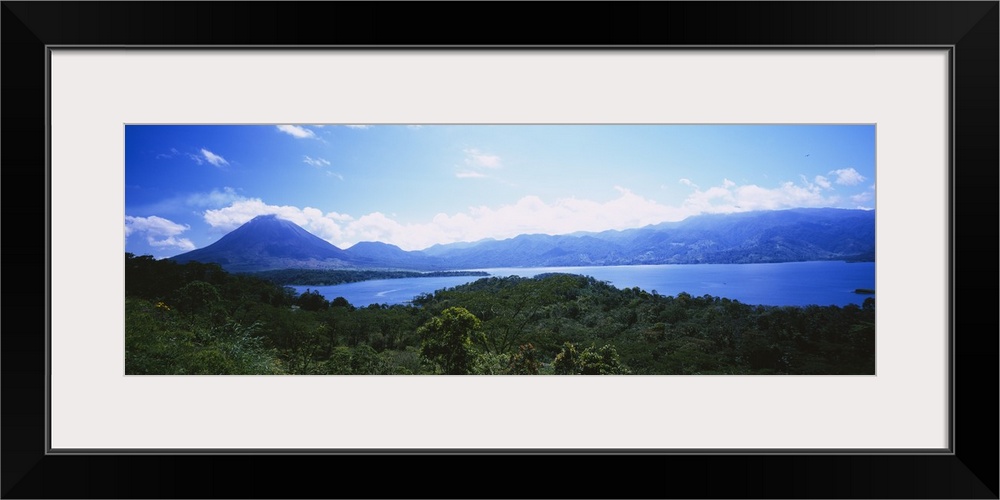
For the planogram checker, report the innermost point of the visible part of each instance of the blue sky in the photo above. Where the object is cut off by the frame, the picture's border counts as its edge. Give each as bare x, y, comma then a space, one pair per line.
419, 185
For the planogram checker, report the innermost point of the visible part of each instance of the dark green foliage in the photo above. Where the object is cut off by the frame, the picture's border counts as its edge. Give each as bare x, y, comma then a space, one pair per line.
446, 340
341, 302
603, 361
196, 298
158, 343
196, 318
312, 301
363, 360
638, 332
524, 361
567, 361
592, 361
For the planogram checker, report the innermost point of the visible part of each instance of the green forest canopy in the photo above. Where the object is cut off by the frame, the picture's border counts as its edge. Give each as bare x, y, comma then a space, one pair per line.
196, 318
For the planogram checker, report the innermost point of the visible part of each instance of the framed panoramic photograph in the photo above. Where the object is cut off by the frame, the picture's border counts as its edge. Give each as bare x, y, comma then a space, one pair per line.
374, 256
333, 251
419, 250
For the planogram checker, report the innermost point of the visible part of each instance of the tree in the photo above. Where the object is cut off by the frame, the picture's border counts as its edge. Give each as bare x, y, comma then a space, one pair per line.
341, 302
603, 361
446, 339
312, 300
197, 298
525, 361
592, 361
566, 361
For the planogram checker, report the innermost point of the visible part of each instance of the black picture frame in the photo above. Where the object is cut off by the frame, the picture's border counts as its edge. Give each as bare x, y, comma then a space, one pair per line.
969, 28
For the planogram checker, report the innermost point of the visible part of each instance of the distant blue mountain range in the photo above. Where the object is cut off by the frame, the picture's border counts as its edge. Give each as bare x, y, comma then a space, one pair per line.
268, 242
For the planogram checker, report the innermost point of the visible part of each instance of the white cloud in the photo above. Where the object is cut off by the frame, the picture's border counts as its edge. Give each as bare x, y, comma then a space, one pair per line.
338, 217
734, 198
687, 182
359, 127
529, 214
823, 182
316, 162
475, 162
201, 157
215, 198
297, 131
861, 198
157, 226
334, 174
213, 158
236, 214
173, 152
848, 176
159, 232
182, 243
183, 203
478, 159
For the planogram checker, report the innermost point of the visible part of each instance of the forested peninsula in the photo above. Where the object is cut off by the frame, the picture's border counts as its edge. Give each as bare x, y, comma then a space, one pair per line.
328, 277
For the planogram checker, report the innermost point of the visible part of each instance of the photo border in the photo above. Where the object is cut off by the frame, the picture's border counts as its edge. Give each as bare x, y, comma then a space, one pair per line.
31, 28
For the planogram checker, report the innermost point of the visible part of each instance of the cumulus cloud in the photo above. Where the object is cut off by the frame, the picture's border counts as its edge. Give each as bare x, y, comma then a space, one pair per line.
847, 176
296, 131
316, 162
532, 214
159, 232
182, 243
236, 214
730, 197
529, 214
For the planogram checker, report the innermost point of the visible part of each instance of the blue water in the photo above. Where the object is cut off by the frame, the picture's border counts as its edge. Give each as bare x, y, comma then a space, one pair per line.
785, 284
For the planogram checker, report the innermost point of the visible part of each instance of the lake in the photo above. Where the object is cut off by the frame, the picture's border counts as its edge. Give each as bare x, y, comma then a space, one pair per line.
783, 284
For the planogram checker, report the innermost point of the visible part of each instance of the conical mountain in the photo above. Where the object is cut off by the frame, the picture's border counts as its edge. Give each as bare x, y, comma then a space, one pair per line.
269, 242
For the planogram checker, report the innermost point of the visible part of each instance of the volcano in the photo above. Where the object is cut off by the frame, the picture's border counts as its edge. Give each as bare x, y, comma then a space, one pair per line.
268, 242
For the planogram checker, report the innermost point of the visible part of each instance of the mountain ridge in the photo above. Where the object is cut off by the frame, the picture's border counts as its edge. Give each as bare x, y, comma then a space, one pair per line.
269, 242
